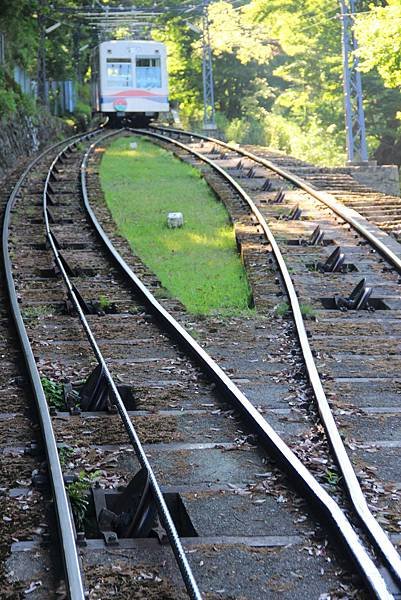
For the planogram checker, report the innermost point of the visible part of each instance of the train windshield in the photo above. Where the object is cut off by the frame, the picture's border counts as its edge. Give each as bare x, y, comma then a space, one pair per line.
148, 72
119, 72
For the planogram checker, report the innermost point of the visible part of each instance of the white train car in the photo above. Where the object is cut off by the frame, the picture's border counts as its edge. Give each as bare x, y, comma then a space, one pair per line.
129, 80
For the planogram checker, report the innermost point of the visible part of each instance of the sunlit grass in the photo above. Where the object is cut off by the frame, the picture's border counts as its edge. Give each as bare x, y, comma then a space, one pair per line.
198, 263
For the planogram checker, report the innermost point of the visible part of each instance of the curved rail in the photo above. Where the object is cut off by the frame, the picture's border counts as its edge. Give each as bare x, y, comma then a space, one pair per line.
348, 214
331, 513
66, 530
164, 513
372, 527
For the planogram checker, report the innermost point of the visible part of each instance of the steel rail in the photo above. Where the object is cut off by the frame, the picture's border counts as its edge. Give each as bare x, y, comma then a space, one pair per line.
376, 533
66, 530
164, 513
330, 512
348, 214
372, 527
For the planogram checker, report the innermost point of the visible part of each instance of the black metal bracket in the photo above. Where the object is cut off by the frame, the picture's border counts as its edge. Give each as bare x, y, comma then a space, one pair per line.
58, 169
49, 197
334, 263
358, 298
279, 198
50, 216
87, 308
93, 394
317, 237
129, 514
251, 173
295, 214
267, 186
55, 240
50, 188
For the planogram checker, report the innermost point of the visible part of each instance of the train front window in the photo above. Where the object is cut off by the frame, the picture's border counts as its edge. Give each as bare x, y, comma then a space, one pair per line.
119, 72
148, 72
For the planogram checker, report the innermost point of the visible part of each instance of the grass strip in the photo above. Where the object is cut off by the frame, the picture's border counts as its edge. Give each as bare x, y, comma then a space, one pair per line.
198, 263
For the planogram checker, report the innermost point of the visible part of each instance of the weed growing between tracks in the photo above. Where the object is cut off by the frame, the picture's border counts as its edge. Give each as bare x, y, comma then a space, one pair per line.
78, 492
53, 392
198, 264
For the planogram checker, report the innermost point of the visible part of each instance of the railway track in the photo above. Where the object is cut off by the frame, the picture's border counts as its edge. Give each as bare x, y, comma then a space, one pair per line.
275, 192
118, 368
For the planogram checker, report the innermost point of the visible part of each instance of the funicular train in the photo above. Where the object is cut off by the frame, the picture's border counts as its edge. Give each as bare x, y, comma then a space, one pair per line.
129, 81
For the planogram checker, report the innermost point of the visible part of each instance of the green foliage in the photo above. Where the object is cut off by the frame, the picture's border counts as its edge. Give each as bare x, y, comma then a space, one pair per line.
379, 36
277, 67
307, 311
278, 74
332, 477
53, 392
35, 312
313, 144
78, 492
65, 454
21, 22
282, 309
197, 263
82, 114
8, 104
104, 303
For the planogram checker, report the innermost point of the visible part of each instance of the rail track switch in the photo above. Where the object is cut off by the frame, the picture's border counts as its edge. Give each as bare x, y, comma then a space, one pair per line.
175, 219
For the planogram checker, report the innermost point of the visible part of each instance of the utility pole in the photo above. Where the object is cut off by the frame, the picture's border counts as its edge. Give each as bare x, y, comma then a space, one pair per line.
357, 151
207, 72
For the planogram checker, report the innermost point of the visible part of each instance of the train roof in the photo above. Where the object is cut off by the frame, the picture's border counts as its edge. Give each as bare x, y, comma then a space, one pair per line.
126, 42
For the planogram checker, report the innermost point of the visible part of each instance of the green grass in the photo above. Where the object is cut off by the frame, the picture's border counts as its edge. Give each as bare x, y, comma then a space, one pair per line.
199, 263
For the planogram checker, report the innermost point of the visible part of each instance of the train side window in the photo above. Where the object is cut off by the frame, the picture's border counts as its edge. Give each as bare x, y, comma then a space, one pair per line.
119, 72
148, 72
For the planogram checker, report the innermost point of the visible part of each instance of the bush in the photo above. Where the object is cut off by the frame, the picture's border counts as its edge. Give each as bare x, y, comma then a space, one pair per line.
27, 105
246, 131
82, 114
311, 142
8, 104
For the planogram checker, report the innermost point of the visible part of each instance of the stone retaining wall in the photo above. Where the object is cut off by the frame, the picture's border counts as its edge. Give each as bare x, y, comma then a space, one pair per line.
382, 178
25, 135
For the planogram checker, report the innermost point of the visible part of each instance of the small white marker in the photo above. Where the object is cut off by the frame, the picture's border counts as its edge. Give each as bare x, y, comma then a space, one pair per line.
133, 145
175, 219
